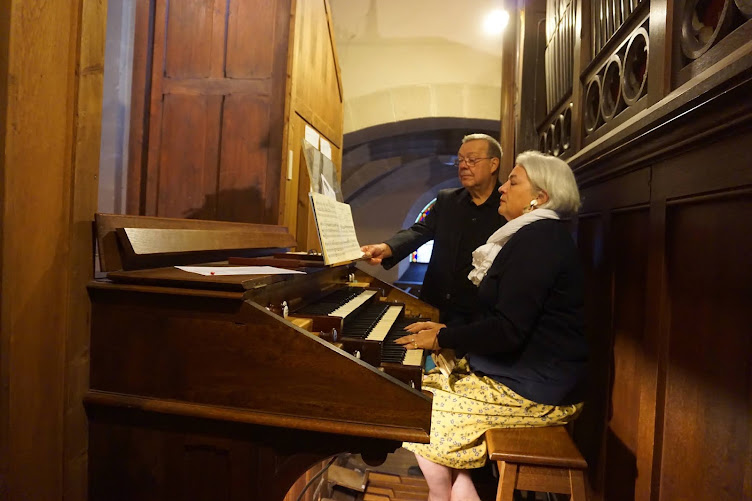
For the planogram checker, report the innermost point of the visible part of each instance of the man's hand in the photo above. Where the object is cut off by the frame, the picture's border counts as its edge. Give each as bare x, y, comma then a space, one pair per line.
375, 253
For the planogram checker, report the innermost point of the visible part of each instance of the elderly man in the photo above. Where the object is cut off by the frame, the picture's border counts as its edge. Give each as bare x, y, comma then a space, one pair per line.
460, 221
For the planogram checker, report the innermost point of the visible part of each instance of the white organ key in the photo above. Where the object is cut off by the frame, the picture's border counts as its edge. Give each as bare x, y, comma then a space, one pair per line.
413, 358
351, 305
381, 329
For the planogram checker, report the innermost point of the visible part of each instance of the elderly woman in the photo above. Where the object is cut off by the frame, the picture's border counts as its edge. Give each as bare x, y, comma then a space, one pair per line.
525, 356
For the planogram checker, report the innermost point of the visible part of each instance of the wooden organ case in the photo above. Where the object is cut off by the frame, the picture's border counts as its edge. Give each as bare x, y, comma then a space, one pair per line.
199, 390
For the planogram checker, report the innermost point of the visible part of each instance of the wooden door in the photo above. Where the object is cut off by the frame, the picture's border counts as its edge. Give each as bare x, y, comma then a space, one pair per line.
208, 109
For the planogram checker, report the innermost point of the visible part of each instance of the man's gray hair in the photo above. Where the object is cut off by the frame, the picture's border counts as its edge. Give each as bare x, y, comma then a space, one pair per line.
494, 148
555, 177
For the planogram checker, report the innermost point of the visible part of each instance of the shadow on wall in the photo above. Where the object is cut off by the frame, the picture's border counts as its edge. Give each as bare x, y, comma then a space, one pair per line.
390, 172
243, 205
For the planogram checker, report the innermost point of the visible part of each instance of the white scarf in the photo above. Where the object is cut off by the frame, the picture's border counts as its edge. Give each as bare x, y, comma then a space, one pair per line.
483, 256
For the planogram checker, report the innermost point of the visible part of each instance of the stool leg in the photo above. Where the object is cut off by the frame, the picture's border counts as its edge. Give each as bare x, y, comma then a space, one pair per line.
507, 481
577, 485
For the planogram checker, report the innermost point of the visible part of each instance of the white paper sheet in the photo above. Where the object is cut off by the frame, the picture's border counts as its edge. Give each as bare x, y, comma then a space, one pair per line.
325, 148
312, 136
237, 270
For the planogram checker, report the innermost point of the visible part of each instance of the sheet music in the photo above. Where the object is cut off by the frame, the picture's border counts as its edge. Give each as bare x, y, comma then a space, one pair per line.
336, 230
237, 270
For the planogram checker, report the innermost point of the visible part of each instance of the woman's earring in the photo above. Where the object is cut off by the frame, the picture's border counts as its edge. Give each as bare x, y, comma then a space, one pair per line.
531, 206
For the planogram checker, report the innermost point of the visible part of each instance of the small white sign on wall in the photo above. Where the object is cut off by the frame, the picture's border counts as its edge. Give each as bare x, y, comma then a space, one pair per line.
312, 136
326, 148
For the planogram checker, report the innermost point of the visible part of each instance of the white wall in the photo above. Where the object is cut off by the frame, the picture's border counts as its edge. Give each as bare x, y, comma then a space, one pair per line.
421, 58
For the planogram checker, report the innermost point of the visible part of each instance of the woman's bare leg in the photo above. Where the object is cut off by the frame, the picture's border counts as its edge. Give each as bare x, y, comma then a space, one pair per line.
463, 488
439, 479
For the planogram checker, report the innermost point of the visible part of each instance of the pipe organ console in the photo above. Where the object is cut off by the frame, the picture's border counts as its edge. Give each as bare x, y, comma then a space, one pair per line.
231, 386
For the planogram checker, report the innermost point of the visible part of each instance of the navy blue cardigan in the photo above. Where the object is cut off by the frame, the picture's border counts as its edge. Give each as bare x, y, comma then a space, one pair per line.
531, 335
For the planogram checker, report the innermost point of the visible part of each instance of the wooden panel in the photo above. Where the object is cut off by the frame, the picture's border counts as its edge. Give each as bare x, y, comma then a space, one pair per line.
51, 71
212, 354
182, 187
249, 30
708, 400
623, 191
189, 30
140, 92
217, 104
224, 460
88, 119
291, 171
243, 176
110, 247
628, 233
317, 88
590, 426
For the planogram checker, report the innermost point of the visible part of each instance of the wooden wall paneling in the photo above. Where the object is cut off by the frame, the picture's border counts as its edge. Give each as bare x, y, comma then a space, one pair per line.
279, 93
703, 331
217, 107
249, 30
51, 69
316, 100
614, 265
661, 31
5, 340
150, 172
291, 174
187, 30
720, 166
85, 186
629, 189
189, 131
592, 231
629, 230
287, 189
244, 159
652, 356
139, 113
317, 86
707, 394
182, 150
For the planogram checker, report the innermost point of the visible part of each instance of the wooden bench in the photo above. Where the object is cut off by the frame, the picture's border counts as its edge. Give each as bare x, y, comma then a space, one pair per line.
537, 459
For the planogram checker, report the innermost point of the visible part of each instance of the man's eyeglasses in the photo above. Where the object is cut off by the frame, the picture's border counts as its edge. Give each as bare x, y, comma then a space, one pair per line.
470, 162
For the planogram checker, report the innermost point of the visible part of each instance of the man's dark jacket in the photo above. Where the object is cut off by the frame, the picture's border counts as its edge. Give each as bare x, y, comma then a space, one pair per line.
457, 226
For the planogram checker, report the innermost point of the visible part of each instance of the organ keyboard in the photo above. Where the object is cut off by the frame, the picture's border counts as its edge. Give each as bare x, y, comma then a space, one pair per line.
366, 328
203, 377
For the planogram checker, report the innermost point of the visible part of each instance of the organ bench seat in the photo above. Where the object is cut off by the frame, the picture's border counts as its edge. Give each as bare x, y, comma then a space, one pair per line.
537, 459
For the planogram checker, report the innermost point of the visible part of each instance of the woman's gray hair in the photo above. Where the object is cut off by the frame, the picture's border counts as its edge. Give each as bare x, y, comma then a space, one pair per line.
494, 148
555, 177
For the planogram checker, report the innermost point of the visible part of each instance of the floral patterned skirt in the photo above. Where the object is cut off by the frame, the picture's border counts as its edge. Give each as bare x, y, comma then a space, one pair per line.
465, 406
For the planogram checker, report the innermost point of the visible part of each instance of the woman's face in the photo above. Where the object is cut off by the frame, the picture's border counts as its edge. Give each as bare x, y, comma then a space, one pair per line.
516, 194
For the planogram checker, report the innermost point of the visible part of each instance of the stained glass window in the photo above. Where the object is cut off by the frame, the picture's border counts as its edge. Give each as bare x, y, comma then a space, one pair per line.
423, 253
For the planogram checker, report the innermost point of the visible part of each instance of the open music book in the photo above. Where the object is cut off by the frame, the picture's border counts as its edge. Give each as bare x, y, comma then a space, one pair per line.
336, 230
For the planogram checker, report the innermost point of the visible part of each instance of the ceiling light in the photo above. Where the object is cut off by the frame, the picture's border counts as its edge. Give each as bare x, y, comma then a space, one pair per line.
495, 22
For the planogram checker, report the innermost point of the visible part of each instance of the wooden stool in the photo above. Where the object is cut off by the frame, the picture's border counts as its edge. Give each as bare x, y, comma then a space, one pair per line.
537, 459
